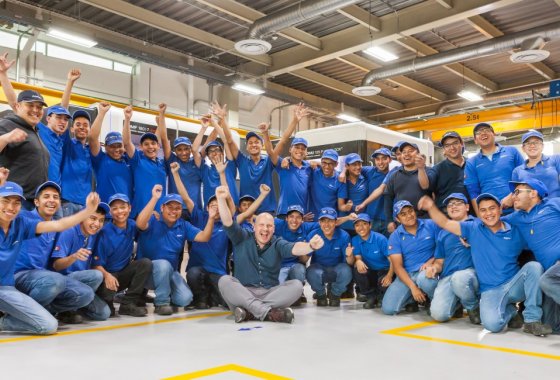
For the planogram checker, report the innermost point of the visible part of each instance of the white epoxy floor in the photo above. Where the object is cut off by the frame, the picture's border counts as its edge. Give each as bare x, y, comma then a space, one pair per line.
325, 343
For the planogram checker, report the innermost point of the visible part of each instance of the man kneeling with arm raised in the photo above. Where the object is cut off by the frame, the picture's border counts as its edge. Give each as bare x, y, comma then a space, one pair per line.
254, 292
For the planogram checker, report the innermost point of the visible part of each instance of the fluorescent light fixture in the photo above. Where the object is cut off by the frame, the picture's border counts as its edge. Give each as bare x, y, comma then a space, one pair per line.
247, 88
380, 53
68, 37
470, 96
348, 118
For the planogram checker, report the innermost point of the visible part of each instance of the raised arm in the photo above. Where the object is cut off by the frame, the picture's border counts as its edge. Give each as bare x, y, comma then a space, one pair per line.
264, 129
162, 131
222, 193
5, 65
142, 220
60, 225
93, 138
423, 179
221, 114
427, 203
127, 138
73, 76
221, 168
197, 142
16, 135
205, 235
299, 113
264, 191
372, 197
220, 132
303, 248
181, 187
4, 173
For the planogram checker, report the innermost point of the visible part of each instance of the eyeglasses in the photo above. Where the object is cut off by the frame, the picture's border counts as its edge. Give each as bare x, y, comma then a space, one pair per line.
517, 191
328, 163
485, 131
532, 143
453, 144
455, 203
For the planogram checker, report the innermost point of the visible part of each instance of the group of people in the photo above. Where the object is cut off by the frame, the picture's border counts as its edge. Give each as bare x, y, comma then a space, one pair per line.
85, 224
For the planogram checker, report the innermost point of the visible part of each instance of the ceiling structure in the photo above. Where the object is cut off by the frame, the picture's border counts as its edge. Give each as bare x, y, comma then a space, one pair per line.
320, 60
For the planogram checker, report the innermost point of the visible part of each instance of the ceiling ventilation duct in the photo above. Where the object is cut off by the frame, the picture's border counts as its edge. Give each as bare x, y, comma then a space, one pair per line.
530, 51
254, 44
493, 46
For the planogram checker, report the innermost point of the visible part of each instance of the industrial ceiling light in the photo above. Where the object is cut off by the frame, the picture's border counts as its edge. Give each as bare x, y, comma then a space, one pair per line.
469, 95
366, 90
253, 47
380, 53
248, 88
70, 37
348, 118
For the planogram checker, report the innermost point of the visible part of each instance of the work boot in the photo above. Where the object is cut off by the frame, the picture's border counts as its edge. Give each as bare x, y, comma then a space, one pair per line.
302, 299
132, 310
70, 317
163, 310
280, 315
516, 322
242, 315
348, 294
201, 305
362, 298
322, 300
334, 301
474, 316
537, 328
458, 312
112, 309
412, 307
370, 303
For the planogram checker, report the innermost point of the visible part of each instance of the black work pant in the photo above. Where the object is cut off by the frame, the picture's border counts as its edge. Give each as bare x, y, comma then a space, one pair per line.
132, 277
370, 282
204, 286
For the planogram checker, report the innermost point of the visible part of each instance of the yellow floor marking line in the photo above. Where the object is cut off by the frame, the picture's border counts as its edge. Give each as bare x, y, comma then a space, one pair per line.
226, 368
404, 332
113, 327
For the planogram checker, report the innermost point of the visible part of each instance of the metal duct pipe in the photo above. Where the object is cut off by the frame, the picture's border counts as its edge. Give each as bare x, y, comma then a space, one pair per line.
493, 46
293, 14
513, 95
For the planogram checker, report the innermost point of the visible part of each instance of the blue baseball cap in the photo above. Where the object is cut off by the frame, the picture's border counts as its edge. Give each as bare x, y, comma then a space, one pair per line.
58, 110
45, 185
328, 213
397, 146
330, 154
214, 143
246, 197
148, 136
383, 151
252, 134
363, 217
181, 141
482, 125
299, 140
212, 197
172, 198
406, 143
105, 207
353, 157
11, 189
297, 208
530, 134
81, 113
458, 196
398, 206
448, 135
30, 96
485, 196
118, 197
533, 183
113, 138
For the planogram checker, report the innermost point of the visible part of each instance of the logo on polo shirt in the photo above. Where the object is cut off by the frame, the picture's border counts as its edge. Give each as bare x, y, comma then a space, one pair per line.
179, 235
507, 238
15, 242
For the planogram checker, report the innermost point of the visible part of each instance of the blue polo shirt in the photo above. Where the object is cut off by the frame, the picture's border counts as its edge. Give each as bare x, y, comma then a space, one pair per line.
333, 252
112, 176
55, 145
373, 250
357, 193
415, 249
547, 171
190, 175
494, 254
539, 228
35, 253
492, 176
114, 246
146, 174
77, 172
376, 178
455, 255
70, 241
211, 180
252, 175
211, 255
282, 230
21, 228
160, 242
325, 191
294, 185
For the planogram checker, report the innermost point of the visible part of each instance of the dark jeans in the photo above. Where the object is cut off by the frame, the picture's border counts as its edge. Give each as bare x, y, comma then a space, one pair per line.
132, 277
204, 286
370, 282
